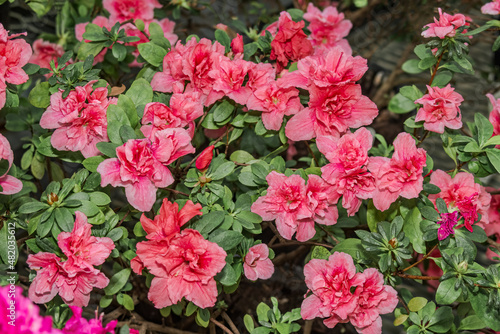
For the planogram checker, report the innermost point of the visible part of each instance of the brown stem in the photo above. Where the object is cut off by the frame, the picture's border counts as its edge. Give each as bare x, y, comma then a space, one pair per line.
221, 326
230, 322
430, 278
291, 243
123, 219
312, 153
404, 304
426, 133
422, 259
177, 192
436, 67
329, 234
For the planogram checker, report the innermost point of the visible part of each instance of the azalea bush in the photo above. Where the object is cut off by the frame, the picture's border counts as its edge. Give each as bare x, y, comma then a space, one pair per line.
159, 180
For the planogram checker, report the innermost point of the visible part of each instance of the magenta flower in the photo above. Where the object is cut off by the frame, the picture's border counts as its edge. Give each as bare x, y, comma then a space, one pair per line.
274, 102
446, 26
462, 193
374, 299
491, 8
14, 54
10, 185
440, 109
447, 224
22, 316
286, 203
78, 325
399, 176
327, 27
332, 284
123, 10
74, 278
332, 111
257, 263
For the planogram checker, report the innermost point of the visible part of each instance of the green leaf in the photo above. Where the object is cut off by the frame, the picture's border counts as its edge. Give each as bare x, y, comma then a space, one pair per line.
92, 163
99, 198
116, 119
422, 51
430, 213
446, 292
472, 322
152, 53
320, 252
222, 37
412, 230
64, 219
119, 51
351, 246
32, 207
495, 140
496, 44
249, 218
488, 312
243, 157
209, 222
411, 66
157, 36
115, 234
127, 105
140, 93
105, 301
484, 128
442, 320
203, 317
94, 33
108, 149
262, 312
248, 321
463, 62
40, 96
442, 78
400, 104
92, 48
400, 319
226, 239
416, 304
117, 282
227, 276
427, 62
494, 158
223, 170
223, 111
411, 92
127, 133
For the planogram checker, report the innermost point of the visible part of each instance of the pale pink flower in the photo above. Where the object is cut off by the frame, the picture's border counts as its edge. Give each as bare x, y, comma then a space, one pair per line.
14, 54
374, 299
491, 8
347, 171
186, 269
399, 176
74, 278
440, 109
446, 26
44, 52
123, 10
79, 119
10, 185
463, 194
274, 102
332, 68
285, 202
331, 111
141, 165
494, 114
290, 43
327, 27
18, 314
78, 325
229, 76
183, 110
331, 283
257, 263
221, 26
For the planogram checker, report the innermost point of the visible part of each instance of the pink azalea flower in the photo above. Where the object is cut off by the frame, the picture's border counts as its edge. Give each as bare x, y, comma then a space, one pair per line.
78, 325
45, 52
74, 278
322, 202
332, 68
183, 110
228, 76
493, 226
331, 282
328, 26
491, 8
286, 202
462, 193
141, 165
257, 263
79, 119
290, 43
347, 171
185, 269
22, 316
274, 102
374, 298
494, 114
332, 111
123, 10
446, 26
14, 54
440, 109
10, 185
399, 176
447, 224
260, 75
170, 220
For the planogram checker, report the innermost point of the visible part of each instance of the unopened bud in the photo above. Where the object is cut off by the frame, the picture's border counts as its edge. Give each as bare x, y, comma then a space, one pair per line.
205, 158
52, 198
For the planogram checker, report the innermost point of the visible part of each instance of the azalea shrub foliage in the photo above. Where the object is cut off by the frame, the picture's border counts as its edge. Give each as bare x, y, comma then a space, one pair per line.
152, 168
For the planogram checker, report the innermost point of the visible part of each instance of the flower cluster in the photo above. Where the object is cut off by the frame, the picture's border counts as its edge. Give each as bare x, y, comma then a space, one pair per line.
14, 54
10, 185
141, 165
491, 8
78, 325
257, 263
341, 295
295, 206
74, 277
79, 119
446, 26
183, 262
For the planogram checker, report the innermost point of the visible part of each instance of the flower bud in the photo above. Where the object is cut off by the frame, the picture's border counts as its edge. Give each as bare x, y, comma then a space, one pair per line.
205, 158
237, 44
